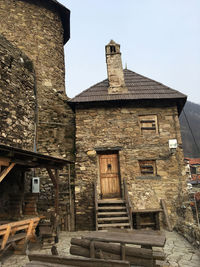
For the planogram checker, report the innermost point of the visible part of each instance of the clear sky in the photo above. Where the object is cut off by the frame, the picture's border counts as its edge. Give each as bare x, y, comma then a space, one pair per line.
159, 39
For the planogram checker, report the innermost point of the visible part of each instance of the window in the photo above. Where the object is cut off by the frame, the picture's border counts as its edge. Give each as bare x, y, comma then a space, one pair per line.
148, 167
193, 170
148, 124
112, 49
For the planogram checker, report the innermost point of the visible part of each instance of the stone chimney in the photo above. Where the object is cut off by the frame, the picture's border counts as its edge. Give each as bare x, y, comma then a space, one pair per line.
115, 69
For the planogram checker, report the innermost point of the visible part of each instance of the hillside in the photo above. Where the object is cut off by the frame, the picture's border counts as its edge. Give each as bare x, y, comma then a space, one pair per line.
192, 112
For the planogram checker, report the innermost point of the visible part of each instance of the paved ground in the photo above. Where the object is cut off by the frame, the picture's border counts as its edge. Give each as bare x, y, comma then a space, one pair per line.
178, 251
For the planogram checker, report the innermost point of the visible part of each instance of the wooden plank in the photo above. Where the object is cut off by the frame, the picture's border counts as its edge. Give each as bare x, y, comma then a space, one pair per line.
163, 205
112, 208
112, 201
6, 171
102, 225
114, 249
134, 260
113, 219
128, 238
45, 264
113, 213
6, 236
21, 223
77, 262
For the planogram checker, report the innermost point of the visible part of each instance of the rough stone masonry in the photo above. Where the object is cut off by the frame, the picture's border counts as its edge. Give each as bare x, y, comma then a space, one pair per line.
38, 28
137, 125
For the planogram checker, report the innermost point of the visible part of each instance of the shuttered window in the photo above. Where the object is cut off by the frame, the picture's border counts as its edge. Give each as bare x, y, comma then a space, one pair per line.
148, 167
148, 124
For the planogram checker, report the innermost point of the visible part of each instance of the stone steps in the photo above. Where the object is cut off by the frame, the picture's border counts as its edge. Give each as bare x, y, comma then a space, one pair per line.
112, 213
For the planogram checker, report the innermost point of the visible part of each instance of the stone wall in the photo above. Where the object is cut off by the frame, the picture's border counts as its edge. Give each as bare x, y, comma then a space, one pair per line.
18, 100
36, 28
190, 231
113, 127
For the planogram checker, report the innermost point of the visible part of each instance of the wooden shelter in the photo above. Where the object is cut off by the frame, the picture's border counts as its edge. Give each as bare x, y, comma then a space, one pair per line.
14, 162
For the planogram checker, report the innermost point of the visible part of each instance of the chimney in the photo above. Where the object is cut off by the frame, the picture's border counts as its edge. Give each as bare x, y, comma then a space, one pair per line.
114, 69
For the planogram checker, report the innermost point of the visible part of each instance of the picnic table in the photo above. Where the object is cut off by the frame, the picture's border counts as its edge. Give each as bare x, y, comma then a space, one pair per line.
144, 238
102, 245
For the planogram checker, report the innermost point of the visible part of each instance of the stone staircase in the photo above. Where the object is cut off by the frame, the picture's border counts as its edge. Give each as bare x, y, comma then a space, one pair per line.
112, 213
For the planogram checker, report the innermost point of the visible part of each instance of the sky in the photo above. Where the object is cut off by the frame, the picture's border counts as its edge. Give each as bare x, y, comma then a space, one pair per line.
159, 39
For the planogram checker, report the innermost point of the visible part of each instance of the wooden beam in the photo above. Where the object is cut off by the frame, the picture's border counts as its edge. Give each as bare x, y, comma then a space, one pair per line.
6, 171
52, 177
76, 262
165, 211
57, 192
4, 161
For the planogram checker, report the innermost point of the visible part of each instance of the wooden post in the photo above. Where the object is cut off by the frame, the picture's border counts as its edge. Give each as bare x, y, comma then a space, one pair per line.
164, 207
55, 181
123, 252
92, 250
57, 192
71, 225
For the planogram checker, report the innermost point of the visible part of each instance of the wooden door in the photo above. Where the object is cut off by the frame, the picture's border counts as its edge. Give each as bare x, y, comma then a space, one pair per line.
109, 176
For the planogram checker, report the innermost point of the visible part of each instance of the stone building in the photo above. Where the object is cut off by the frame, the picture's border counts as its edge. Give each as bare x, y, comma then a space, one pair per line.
39, 29
17, 85
124, 126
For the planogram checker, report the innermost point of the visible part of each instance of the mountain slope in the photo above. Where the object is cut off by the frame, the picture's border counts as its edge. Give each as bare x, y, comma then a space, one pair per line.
192, 112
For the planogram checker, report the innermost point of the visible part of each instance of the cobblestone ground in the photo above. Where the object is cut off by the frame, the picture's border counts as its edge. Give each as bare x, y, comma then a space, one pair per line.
179, 253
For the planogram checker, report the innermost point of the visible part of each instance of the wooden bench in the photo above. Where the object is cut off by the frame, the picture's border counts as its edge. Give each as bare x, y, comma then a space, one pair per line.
17, 234
39, 260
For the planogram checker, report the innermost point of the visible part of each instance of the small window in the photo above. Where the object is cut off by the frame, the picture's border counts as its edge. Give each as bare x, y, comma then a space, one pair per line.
193, 170
148, 167
148, 124
112, 49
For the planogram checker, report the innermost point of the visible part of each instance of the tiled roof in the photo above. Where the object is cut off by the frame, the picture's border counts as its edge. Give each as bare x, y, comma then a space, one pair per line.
194, 161
139, 88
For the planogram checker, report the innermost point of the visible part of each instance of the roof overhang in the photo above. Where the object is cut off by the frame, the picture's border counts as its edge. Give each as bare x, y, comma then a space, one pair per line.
30, 159
179, 102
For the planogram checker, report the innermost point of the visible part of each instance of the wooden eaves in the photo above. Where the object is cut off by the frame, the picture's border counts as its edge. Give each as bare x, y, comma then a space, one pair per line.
11, 156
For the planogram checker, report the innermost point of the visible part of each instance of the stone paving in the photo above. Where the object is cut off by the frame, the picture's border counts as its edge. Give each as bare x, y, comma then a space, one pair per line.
179, 253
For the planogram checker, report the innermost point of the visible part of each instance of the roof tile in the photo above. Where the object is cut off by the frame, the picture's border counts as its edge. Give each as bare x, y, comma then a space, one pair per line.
139, 87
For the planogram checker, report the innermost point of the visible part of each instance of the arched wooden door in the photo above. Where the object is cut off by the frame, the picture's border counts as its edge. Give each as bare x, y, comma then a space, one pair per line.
109, 176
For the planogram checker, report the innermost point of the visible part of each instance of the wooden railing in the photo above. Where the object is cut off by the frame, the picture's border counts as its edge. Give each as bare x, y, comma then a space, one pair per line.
96, 204
128, 203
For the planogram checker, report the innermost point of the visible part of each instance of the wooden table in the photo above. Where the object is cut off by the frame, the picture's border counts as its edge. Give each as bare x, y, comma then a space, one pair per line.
136, 237
144, 256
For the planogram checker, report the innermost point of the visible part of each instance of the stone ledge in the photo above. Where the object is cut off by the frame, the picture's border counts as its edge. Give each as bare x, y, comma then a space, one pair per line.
149, 177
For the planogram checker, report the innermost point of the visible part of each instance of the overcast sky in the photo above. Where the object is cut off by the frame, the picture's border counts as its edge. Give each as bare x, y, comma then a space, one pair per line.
159, 39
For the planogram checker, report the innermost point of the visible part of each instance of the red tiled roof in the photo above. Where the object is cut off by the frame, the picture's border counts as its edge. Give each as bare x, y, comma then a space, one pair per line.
193, 161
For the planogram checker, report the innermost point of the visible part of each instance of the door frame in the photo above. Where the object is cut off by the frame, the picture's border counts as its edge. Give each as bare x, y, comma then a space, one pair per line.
108, 152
